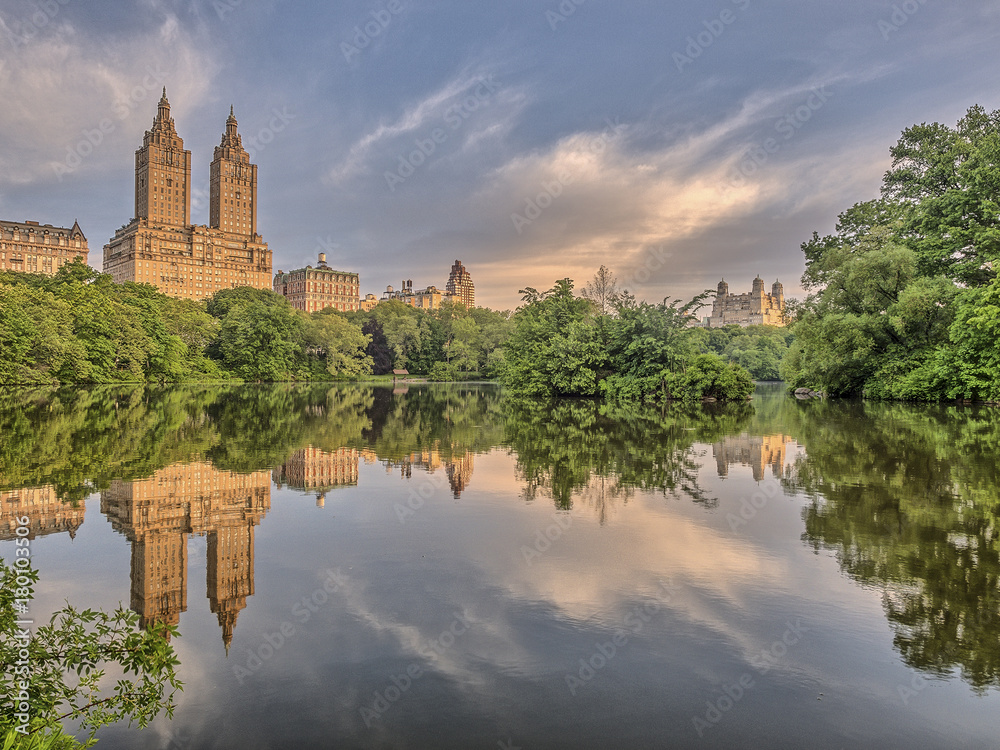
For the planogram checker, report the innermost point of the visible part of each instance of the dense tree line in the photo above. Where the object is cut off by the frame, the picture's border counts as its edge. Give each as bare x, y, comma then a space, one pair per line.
904, 296
565, 345
444, 344
80, 327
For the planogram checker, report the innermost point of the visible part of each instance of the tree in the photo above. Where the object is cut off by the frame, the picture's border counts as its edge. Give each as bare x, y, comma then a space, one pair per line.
463, 346
342, 345
378, 347
261, 342
945, 182
893, 293
602, 290
62, 676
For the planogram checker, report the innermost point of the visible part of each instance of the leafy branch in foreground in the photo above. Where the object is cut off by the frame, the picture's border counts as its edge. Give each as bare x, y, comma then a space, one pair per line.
60, 673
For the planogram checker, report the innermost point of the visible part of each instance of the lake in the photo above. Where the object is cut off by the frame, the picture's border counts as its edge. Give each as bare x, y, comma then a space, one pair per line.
437, 566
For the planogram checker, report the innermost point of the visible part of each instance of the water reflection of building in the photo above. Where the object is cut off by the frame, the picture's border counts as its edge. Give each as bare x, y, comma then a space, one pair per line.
756, 451
46, 513
319, 471
457, 468
158, 513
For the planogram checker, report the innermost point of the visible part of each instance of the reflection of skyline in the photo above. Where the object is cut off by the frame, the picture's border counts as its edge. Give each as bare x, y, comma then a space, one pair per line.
158, 513
318, 471
458, 468
756, 451
47, 514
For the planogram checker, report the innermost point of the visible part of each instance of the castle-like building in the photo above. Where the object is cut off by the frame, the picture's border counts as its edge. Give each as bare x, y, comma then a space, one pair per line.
161, 247
759, 452
39, 248
755, 309
459, 289
313, 289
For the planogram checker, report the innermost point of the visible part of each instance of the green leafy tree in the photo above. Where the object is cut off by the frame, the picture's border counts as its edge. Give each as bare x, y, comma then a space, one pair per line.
342, 345
65, 675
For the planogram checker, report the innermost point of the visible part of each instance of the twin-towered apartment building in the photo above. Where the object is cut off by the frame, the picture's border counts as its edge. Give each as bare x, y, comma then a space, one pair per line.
161, 247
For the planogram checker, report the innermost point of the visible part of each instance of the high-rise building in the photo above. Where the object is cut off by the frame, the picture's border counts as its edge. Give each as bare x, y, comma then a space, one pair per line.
158, 513
313, 289
160, 246
460, 286
458, 289
39, 248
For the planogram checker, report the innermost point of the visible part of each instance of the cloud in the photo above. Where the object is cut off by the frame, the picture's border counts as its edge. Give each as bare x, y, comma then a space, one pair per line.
74, 103
461, 97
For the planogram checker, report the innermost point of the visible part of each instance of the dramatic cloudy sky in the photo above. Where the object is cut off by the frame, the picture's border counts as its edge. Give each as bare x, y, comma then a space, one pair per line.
630, 133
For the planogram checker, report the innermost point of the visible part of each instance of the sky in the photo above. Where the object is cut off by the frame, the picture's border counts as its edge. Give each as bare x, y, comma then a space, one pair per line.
676, 142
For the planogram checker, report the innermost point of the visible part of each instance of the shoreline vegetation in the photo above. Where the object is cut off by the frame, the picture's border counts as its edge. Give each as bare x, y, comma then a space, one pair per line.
904, 298
903, 304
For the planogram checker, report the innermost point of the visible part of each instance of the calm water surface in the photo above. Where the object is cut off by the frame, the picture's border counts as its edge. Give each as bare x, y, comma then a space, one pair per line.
438, 567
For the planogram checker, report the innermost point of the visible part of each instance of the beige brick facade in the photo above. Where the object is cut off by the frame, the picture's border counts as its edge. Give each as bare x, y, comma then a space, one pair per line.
161, 247
757, 308
312, 289
39, 248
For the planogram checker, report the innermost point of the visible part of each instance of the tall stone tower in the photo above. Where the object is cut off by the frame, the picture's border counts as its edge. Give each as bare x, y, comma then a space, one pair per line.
233, 196
460, 286
778, 292
230, 574
159, 576
757, 296
163, 172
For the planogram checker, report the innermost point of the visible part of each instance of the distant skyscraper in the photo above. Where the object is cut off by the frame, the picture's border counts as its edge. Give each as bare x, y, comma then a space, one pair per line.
161, 247
460, 286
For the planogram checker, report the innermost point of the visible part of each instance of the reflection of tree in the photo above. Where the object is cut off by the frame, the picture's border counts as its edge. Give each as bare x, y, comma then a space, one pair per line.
561, 446
80, 440
907, 498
